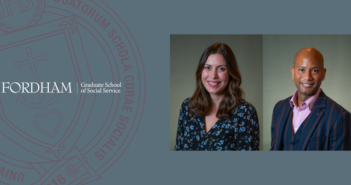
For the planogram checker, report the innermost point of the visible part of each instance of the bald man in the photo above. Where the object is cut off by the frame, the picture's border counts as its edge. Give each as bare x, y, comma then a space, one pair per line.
309, 120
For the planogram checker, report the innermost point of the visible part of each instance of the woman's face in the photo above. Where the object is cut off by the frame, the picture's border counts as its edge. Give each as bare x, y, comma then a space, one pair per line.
215, 76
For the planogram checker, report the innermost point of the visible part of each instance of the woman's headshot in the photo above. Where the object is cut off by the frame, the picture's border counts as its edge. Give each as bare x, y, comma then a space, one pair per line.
216, 117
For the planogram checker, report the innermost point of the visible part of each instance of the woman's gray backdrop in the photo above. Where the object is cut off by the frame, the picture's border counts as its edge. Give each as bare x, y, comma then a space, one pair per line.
278, 57
185, 54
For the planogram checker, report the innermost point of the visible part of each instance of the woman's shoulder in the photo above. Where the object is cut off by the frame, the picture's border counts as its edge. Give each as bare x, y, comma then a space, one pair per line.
246, 112
245, 107
185, 102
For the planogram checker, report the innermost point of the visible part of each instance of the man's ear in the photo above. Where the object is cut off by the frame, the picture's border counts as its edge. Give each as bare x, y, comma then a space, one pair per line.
292, 72
324, 71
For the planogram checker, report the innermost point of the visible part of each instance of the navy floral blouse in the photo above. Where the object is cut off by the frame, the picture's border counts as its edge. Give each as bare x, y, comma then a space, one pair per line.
240, 132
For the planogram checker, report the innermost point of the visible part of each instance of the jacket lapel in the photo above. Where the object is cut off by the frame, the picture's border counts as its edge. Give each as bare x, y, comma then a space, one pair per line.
313, 120
284, 120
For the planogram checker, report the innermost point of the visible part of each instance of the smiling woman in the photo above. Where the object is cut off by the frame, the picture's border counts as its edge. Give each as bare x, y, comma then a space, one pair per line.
217, 117
214, 76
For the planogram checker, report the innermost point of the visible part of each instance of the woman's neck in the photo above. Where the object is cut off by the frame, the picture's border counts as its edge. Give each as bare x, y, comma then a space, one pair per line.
216, 100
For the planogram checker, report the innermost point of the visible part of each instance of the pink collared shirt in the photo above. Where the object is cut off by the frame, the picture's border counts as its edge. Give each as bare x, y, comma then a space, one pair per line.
301, 113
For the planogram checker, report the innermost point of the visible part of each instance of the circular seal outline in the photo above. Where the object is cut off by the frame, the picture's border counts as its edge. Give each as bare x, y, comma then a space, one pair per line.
144, 77
134, 53
113, 157
34, 19
142, 87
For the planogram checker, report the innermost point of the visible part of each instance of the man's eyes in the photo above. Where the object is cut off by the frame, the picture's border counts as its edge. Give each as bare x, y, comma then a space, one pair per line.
314, 70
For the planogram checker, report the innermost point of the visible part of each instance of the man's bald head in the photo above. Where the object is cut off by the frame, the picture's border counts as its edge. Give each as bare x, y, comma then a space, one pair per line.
309, 53
308, 73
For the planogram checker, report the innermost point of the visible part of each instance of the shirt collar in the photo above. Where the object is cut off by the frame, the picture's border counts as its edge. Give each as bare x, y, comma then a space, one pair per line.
308, 103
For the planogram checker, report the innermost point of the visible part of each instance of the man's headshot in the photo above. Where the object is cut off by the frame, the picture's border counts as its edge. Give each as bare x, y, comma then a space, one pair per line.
306, 92
309, 119
308, 72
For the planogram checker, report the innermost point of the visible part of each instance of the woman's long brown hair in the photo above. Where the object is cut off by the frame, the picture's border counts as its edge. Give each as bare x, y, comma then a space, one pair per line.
200, 103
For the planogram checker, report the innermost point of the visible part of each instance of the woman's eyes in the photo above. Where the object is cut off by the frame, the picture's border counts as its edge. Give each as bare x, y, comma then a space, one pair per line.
219, 69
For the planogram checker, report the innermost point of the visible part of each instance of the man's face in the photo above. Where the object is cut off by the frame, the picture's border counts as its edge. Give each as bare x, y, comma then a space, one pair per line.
308, 74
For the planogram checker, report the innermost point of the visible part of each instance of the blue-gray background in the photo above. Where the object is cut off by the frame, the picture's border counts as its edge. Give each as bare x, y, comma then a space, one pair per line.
148, 159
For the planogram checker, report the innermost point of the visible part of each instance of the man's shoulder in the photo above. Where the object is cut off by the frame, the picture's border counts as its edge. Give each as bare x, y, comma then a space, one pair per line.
284, 102
333, 105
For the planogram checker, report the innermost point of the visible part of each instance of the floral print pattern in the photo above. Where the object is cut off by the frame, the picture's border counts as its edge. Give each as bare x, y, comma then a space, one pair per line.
240, 132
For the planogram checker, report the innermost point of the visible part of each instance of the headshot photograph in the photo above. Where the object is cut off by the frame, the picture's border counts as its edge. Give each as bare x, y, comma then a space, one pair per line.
216, 97
306, 92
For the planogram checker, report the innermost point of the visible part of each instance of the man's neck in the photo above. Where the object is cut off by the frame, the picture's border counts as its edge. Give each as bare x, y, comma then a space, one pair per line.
301, 99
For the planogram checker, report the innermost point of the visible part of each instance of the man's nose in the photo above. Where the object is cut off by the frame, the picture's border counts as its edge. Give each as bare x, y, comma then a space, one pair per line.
308, 75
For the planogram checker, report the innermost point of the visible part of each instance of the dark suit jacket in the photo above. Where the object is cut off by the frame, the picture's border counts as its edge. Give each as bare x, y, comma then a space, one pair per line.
327, 127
